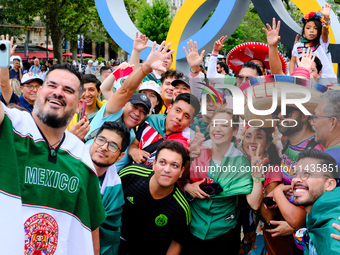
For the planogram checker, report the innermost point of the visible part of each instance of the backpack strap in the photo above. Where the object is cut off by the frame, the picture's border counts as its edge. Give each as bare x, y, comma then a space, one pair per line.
285, 147
311, 144
152, 147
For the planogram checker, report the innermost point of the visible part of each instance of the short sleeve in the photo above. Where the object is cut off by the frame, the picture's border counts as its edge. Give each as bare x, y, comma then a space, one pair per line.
273, 175
181, 233
14, 99
324, 45
294, 51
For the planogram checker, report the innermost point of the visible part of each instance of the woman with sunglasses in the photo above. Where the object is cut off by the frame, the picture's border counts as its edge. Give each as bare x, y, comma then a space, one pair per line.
217, 177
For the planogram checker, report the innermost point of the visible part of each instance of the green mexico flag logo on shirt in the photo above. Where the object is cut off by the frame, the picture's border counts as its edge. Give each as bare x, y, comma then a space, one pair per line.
161, 220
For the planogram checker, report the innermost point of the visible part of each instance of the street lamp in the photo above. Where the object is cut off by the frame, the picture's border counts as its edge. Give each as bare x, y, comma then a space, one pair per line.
46, 37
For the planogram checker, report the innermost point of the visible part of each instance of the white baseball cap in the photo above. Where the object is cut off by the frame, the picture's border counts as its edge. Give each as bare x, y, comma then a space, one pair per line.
90, 61
28, 77
150, 85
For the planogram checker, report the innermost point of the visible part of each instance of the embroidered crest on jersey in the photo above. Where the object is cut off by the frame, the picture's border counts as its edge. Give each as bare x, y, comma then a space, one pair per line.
161, 220
122, 81
41, 234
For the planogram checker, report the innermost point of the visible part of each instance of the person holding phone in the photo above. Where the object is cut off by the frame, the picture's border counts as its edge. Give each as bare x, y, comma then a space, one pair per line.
213, 226
258, 144
16, 71
80, 123
29, 86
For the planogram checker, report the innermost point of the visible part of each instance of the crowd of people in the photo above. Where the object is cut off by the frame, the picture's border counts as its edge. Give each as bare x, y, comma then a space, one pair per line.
156, 162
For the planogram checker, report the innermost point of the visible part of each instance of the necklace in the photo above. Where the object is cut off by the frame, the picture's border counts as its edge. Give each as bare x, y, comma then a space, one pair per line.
53, 151
52, 156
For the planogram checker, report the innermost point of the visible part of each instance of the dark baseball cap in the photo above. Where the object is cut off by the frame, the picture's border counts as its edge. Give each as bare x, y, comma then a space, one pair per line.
184, 79
140, 98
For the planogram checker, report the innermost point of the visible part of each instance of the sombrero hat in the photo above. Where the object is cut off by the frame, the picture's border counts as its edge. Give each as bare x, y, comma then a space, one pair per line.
244, 52
262, 90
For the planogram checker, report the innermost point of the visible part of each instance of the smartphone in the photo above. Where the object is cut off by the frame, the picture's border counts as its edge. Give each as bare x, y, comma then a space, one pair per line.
5, 48
82, 113
213, 188
268, 201
269, 226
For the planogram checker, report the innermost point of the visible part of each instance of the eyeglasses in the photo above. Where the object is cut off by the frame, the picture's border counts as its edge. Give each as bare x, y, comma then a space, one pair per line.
319, 116
289, 112
31, 87
303, 175
111, 146
241, 78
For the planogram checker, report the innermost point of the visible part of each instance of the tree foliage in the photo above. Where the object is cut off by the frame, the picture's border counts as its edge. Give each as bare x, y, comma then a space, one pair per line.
133, 6
154, 20
10, 19
249, 30
88, 24
63, 17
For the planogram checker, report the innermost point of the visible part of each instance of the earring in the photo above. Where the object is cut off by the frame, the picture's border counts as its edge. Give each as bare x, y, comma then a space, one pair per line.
304, 121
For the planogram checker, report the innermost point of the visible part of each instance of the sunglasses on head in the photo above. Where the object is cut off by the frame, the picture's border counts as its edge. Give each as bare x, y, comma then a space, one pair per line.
289, 112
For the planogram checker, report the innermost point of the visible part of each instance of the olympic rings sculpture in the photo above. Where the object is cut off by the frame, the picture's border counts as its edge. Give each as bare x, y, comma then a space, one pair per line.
187, 24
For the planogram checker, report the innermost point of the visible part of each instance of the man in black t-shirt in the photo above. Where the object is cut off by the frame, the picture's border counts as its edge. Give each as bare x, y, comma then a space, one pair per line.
156, 216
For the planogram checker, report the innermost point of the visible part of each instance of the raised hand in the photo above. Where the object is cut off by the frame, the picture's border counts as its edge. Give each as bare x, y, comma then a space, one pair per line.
218, 45
257, 162
326, 11
307, 59
139, 43
196, 144
81, 128
12, 51
193, 57
156, 57
297, 38
124, 65
272, 33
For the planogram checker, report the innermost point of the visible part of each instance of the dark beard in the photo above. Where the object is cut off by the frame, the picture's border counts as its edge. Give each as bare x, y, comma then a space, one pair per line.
52, 121
287, 131
100, 164
313, 196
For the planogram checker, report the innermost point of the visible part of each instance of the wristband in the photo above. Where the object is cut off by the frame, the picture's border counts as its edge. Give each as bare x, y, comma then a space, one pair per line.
144, 71
259, 179
214, 55
193, 71
301, 72
326, 24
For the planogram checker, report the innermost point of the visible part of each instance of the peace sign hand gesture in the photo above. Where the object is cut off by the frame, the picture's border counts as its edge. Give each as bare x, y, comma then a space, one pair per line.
218, 45
257, 162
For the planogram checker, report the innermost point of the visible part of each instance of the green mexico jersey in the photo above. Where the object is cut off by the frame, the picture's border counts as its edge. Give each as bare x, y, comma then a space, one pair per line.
60, 197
